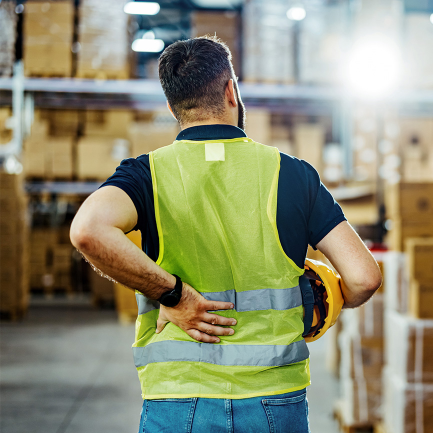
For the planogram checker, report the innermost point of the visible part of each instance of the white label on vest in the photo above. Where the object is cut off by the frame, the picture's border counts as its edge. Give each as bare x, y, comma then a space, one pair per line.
215, 152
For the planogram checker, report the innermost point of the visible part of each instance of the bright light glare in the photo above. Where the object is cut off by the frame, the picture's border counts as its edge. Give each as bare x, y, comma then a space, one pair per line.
431, 18
296, 13
141, 8
373, 68
148, 45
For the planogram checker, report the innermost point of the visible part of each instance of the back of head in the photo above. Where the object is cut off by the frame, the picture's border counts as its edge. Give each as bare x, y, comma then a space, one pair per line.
194, 74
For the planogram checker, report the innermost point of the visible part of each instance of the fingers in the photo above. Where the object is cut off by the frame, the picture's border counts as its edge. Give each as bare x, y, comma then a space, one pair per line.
216, 319
217, 305
214, 330
202, 337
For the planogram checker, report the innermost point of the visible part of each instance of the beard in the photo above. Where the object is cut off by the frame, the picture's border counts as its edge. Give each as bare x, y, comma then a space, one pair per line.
241, 110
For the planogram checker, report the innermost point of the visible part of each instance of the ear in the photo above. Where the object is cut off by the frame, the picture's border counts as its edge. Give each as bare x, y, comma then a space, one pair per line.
231, 93
171, 111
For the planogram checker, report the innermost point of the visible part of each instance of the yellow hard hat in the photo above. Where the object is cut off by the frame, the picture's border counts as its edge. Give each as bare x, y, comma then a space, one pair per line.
322, 299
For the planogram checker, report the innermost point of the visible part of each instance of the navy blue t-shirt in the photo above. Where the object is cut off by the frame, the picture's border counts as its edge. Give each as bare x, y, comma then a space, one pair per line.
306, 211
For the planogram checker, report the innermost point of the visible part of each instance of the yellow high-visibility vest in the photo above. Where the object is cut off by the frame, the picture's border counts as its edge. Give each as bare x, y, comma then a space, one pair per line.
215, 208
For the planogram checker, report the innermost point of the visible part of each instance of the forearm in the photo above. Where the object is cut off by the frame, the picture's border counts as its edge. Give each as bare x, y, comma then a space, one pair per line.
110, 251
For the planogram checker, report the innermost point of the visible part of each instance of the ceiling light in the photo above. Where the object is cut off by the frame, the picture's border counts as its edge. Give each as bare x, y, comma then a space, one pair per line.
149, 35
431, 18
296, 13
373, 67
148, 45
141, 8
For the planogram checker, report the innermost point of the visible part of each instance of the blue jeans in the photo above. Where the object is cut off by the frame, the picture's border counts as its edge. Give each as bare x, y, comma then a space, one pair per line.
283, 413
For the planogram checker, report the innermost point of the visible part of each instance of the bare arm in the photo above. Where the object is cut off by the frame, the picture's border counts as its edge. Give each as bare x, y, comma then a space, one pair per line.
358, 269
98, 233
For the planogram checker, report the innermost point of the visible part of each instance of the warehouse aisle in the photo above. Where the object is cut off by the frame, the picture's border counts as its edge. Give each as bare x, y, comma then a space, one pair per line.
68, 369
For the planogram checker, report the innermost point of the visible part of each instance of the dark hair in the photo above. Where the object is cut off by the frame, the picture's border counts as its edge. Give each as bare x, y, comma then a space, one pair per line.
194, 74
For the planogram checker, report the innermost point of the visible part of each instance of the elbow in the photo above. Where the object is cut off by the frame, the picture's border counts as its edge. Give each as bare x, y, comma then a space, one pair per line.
373, 282
81, 237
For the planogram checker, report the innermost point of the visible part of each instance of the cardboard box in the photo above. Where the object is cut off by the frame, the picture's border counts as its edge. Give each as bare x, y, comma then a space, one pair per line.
402, 229
419, 253
97, 158
409, 201
108, 123
146, 137
421, 299
258, 126
309, 141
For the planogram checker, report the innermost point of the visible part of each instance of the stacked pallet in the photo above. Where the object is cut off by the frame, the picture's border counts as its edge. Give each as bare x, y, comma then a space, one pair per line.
361, 344
409, 206
14, 275
103, 40
268, 37
8, 22
48, 36
105, 140
49, 150
408, 378
50, 260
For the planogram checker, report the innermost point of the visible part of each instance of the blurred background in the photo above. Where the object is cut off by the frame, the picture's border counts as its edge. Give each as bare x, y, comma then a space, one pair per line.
344, 84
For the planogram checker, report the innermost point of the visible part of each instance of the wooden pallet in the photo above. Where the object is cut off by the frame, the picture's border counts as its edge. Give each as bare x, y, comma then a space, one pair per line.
360, 427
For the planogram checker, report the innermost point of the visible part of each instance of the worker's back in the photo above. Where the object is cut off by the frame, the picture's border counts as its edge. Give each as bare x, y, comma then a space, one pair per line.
215, 207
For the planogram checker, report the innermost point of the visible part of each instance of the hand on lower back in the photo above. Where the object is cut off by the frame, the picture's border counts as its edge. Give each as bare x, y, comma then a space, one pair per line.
192, 315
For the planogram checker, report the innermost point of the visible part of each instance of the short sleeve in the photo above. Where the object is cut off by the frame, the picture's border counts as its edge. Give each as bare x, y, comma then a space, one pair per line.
134, 177
325, 212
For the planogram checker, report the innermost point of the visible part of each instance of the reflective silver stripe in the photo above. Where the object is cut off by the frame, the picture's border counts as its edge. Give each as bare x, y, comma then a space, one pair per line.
221, 354
144, 304
251, 300
261, 299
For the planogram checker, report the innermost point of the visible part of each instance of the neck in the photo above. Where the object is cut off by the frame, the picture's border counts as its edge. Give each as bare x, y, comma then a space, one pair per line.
209, 121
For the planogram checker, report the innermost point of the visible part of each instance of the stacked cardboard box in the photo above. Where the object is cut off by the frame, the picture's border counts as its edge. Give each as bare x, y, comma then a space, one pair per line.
415, 141
408, 382
102, 289
362, 359
268, 42
309, 140
8, 22
147, 136
103, 38
49, 151
50, 259
419, 252
48, 35
258, 126
104, 143
14, 274
226, 25
410, 207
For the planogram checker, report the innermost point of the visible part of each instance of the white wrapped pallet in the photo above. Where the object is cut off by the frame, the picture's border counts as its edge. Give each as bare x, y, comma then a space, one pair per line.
408, 408
409, 347
396, 282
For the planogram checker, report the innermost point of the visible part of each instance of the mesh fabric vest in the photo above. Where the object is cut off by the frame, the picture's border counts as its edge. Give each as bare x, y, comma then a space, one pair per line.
215, 208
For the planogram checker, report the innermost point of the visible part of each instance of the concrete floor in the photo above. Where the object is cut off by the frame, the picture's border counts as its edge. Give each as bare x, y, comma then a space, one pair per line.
68, 368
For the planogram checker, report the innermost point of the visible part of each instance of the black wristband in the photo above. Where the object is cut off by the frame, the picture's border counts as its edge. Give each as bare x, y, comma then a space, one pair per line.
172, 298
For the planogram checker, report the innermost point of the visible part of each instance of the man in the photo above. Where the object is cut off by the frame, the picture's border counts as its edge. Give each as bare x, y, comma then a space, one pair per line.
222, 350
